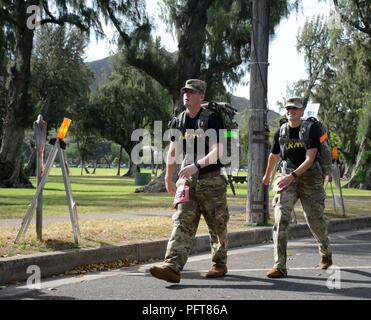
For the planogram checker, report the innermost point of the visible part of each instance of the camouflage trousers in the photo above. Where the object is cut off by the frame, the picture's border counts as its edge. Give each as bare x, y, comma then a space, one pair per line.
207, 197
312, 195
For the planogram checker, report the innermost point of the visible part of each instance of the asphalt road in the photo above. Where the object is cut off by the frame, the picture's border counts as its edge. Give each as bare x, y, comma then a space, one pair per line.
349, 278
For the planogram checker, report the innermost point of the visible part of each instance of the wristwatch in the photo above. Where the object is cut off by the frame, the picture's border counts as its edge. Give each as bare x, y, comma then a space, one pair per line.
294, 175
198, 166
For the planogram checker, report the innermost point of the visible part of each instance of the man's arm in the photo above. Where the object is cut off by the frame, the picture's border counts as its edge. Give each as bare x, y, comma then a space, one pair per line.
170, 168
272, 161
211, 158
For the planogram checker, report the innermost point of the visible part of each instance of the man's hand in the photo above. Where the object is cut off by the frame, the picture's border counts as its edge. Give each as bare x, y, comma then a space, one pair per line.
285, 181
188, 171
170, 186
266, 180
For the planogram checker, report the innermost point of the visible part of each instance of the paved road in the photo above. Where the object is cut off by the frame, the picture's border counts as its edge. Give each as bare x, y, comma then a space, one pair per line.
246, 280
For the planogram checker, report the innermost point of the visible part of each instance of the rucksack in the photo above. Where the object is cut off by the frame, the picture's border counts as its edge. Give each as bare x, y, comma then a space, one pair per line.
324, 156
226, 112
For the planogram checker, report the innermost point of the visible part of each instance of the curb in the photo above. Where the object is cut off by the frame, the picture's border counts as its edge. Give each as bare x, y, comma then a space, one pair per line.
14, 269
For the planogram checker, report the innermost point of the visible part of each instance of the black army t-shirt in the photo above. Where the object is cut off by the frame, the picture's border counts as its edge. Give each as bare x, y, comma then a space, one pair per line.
214, 122
296, 151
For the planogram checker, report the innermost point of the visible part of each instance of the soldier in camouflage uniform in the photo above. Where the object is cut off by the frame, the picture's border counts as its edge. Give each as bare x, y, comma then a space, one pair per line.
303, 180
201, 179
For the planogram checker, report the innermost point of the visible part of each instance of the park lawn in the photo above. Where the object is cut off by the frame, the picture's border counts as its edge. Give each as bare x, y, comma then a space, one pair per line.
92, 193
106, 193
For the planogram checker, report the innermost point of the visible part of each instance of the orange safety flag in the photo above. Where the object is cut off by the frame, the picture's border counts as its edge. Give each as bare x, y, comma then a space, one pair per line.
334, 153
323, 138
63, 128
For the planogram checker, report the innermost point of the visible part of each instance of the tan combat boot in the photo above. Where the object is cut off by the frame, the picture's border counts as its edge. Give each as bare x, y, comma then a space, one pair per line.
217, 270
277, 273
165, 273
326, 262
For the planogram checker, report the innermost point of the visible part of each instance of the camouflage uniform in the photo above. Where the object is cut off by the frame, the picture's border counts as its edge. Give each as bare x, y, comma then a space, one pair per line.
207, 197
310, 191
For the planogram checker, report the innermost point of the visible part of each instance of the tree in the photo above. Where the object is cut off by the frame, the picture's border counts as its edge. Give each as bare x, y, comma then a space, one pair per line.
356, 13
6, 43
21, 20
361, 173
129, 100
313, 42
342, 88
60, 78
16, 13
213, 41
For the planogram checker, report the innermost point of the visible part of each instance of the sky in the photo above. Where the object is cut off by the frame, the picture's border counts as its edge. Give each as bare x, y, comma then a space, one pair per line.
286, 65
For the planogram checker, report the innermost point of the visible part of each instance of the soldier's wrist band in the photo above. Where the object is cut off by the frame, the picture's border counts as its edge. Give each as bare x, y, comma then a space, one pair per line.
294, 175
198, 166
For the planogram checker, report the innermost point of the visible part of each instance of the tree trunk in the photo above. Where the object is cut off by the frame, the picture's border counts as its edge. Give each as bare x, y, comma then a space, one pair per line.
95, 166
133, 168
257, 204
157, 185
191, 45
361, 173
119, 165
11, 173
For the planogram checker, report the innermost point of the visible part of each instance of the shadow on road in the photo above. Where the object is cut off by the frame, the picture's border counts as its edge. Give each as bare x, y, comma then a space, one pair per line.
291, 283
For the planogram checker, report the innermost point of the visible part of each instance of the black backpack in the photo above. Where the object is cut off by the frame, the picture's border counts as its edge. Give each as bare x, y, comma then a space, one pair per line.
324, 156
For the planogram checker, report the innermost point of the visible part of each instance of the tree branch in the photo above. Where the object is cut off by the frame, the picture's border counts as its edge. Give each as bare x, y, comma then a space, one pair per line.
46, 8
68, 18
235, 61
126, 38
5, 16
365, 29
365, 22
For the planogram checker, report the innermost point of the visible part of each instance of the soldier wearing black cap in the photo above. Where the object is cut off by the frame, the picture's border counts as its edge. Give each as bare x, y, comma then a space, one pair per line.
302, 179
200, 189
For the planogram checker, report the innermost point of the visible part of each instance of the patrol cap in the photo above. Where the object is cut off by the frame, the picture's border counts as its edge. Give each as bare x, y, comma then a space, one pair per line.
196, 85
294, 102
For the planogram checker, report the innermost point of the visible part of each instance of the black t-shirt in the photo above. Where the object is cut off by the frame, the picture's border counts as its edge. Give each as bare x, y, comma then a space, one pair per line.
296, 151
190, 140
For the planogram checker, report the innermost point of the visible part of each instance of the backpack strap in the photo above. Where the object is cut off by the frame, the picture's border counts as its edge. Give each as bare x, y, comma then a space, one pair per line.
180, 123
304, 132
202, 122
203, 119
284, 139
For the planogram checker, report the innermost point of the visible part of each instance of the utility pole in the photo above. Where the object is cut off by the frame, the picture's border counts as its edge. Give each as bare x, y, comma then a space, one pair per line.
257, 202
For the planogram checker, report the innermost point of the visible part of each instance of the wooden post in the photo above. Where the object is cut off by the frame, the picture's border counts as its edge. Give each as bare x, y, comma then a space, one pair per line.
39, 127
257, 202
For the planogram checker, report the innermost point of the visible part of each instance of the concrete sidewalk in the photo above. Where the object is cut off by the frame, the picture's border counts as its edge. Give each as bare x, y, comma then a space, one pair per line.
14, 269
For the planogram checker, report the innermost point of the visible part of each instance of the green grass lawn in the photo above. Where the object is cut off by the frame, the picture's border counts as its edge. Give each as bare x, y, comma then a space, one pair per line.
104, 192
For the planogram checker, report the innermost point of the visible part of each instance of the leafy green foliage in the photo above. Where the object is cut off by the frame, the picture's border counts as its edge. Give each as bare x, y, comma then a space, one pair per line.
129, 100
339, 78
60, 78
213, 44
